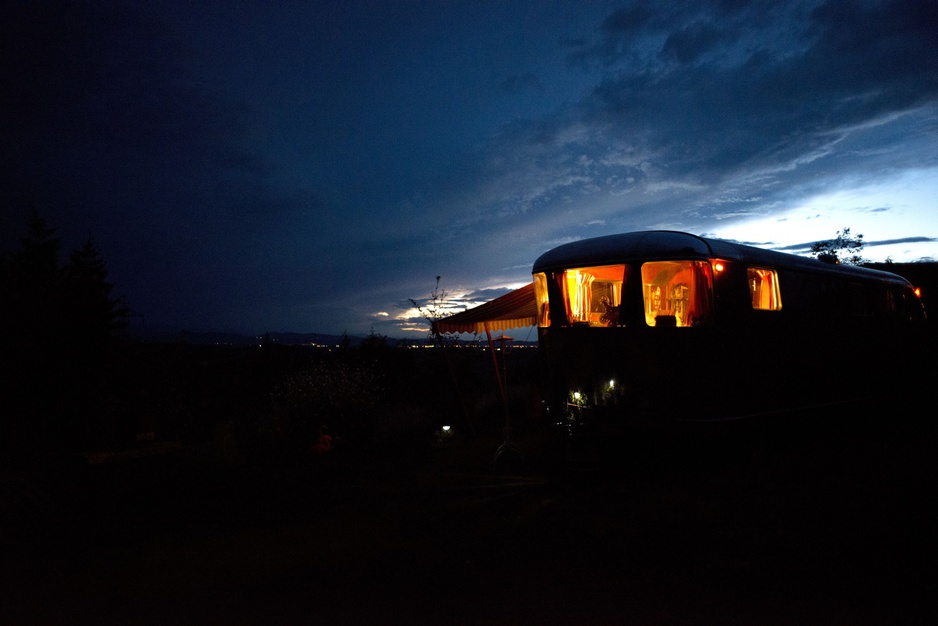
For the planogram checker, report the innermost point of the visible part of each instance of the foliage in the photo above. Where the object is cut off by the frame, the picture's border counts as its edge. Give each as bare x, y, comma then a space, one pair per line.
374, 342
56, 326
843, 248
433, 309
94, 313
48, 303
341, 396
31, 299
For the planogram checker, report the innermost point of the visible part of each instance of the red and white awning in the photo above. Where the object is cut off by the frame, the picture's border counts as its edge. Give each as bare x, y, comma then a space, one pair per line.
515, 309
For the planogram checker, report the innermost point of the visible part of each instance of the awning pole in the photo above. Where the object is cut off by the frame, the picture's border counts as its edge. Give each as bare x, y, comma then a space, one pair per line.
498, 376
507, 444
441, 345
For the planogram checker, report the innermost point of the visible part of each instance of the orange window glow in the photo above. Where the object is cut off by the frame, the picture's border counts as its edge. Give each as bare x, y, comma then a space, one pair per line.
540, 295
677, 293
764, 290
593, 294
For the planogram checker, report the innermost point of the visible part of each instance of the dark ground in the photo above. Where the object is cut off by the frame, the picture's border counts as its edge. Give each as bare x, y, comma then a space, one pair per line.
826, 525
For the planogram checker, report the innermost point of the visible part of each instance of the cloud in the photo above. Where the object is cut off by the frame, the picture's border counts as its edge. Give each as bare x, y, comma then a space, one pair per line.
628, 21
902, 240
112, 86
484, 295
111, 131
797, 77
716, 111
691, 42
313, 182
728, 106
520, 83
805, 247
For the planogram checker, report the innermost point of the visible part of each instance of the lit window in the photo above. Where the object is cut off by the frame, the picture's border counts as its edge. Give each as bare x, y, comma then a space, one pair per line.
540, 295
763, 287
593, 294
677, 293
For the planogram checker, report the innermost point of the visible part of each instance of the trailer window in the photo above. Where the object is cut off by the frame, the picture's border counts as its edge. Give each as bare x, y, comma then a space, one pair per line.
593, 294
677, 293
540, 296
763, 288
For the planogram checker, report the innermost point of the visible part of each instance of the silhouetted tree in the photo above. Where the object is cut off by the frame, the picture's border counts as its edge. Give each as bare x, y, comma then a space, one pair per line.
32, 306
57, 323
433, 309
35, 281
844, 248
94, 314
374, 342
38, 256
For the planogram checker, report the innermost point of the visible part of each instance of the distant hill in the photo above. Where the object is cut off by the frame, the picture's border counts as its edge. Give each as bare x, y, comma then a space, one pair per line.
175, 336
234, 339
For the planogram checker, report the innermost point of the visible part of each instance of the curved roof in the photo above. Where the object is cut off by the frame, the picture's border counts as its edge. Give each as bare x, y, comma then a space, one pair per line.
665, 244
616, 248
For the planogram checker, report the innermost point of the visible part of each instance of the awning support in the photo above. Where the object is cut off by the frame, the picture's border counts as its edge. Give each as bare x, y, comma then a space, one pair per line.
507, 444
515, 309
452, 374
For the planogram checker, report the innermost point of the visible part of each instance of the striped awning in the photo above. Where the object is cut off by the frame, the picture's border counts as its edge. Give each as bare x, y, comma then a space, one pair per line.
515, 309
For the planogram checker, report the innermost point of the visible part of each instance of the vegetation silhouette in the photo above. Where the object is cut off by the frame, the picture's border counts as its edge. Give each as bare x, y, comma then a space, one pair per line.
432, 309
59, 327
843, 248
79, 387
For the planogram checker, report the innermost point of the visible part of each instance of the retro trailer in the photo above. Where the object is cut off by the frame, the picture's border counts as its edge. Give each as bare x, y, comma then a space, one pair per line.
664, 329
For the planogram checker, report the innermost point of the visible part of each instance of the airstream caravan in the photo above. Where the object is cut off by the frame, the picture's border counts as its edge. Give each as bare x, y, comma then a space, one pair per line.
665, 329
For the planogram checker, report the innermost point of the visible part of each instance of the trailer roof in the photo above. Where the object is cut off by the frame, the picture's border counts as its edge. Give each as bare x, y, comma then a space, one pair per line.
672, 245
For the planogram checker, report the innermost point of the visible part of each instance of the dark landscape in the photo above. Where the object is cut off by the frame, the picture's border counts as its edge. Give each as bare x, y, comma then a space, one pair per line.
823, 517
196, 478
226, 396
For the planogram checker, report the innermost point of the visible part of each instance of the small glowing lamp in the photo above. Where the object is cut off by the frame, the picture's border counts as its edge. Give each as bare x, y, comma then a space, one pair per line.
446, 429
612, 384
576, 395
718, 266
918, 291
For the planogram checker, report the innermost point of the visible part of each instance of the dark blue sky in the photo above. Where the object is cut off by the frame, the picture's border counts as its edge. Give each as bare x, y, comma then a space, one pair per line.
310, 166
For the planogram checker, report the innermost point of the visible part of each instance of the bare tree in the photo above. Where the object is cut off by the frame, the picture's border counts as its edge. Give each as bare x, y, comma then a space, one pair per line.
433, 309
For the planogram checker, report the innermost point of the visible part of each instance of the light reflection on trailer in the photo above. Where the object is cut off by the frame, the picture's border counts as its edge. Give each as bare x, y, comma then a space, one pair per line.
662, 329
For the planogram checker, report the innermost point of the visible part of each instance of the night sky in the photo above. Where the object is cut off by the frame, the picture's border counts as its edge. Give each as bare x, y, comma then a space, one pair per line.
311, 166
